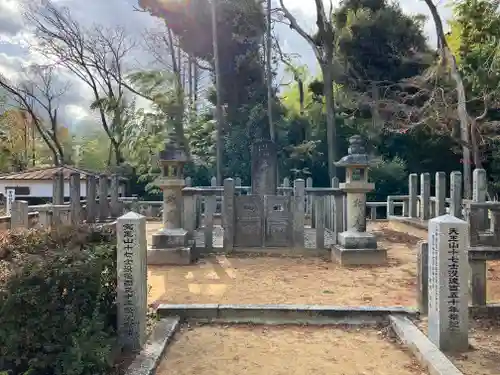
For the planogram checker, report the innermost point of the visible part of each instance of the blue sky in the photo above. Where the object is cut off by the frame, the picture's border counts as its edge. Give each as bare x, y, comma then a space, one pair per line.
15, 37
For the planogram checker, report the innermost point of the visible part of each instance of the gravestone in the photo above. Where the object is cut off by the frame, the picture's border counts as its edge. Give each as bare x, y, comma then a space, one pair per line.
132, 280
264, 168
11, 197
448, 283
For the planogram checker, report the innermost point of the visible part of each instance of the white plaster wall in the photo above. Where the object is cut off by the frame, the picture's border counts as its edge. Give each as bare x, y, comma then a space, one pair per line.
40, 189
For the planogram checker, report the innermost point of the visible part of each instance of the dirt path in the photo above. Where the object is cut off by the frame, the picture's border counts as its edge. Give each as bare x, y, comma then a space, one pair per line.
216, 350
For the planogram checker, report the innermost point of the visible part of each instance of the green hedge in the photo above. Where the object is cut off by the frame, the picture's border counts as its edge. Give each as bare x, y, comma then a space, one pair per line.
57, 302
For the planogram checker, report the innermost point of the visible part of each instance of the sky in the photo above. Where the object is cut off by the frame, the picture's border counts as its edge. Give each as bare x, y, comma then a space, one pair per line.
16, 36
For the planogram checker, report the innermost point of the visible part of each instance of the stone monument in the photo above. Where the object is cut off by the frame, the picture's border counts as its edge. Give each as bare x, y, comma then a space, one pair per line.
448, 275
132, 289
172, 244
355, 246
264, 168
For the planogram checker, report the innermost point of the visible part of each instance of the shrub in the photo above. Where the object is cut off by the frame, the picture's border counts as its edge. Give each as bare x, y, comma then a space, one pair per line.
57, 306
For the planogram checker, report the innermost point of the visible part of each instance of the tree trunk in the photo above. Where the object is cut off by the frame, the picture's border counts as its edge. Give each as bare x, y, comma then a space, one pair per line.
218, 88
269, 73
330, 118
449, 59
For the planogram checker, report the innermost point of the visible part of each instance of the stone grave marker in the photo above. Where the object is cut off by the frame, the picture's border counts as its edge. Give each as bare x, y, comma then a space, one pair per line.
132, 280
448, 283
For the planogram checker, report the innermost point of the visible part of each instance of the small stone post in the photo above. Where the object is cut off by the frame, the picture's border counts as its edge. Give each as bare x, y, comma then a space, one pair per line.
58, 188
91, 198
448, 283
132, 280
75, 196
237, 182
115, 204
423, 277
298, 212
440, 194
425, 196
188, 181
19, 215
228, 214
310, 201
412, 192
103, 197
172, 244
213, 181
456, 194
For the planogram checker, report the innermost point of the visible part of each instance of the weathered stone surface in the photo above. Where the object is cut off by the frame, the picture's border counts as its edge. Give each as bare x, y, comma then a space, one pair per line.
456, 194
298, 211
440, 194
58, 188
413, 188
103, 197
9, 201
170, 238
132, 280
228, 213
264, 168
425, 195
278, 221
19, 215
448, 283
478, 278
357, 240
75, 196
171, 256
91, 198
357, 257
249, 221
423, 277
479, 190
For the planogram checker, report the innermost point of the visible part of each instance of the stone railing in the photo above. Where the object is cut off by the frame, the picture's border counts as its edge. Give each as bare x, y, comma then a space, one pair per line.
419, 205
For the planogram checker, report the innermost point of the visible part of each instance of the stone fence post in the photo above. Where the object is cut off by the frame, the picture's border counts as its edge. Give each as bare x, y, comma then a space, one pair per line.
228, 214
19, 215
103, 198
456, 194
412, 195
115, 204
440, 194
298, 213
58, 188
91, 198
75, 196
132, 280
425, 196
479, 190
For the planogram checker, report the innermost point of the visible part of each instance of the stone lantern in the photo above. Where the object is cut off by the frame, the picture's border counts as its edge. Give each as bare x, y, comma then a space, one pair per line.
172, 244
355, 246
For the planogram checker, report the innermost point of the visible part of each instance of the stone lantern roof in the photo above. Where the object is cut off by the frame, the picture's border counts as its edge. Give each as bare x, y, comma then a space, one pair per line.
356, 154
172, 150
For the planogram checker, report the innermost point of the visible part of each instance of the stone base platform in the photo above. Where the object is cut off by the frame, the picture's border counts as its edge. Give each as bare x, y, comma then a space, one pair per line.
171, 256
171, 247
358, 257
